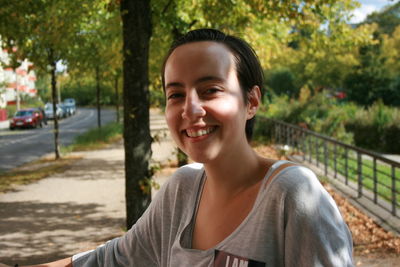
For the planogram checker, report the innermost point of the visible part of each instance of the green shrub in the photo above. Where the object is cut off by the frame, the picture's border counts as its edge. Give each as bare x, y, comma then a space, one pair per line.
376, 128
319, 113
282, 81
85, 94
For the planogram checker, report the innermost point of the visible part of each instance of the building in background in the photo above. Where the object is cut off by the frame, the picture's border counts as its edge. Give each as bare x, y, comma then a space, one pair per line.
15, 83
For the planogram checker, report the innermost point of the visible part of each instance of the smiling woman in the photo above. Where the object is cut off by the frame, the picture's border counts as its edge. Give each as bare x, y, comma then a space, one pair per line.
206, 112
233, 207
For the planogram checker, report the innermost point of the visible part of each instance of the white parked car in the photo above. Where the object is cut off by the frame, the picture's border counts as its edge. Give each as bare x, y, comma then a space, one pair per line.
70, 104
48, 110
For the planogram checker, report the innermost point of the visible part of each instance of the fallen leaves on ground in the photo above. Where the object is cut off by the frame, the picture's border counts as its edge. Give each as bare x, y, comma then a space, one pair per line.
368, 236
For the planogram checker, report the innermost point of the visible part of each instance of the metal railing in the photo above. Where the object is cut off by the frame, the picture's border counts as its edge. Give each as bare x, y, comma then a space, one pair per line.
368, 173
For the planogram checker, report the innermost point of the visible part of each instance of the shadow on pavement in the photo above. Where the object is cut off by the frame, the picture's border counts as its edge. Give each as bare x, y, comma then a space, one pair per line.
48, 231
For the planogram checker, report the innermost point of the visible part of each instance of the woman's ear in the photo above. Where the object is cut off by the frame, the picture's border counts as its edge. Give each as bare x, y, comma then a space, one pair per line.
254, 101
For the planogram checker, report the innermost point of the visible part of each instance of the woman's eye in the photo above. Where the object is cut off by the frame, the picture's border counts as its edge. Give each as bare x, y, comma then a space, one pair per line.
212, 90
174, 96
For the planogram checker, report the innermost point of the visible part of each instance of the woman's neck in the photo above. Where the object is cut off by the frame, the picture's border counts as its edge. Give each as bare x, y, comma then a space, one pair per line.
235, 173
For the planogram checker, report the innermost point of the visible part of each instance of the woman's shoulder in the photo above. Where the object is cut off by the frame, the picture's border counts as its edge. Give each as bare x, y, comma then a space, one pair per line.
295, 175
185, 179
187, 174
301, 187
297, 182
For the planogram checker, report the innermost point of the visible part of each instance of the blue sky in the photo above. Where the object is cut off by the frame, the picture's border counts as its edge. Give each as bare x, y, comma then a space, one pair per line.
367, 7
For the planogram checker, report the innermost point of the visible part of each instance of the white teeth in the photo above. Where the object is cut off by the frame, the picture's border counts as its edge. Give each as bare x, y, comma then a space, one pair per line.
192, 133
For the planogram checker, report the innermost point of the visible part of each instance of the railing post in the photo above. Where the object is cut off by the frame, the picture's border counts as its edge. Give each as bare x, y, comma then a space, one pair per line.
287, 139
394, 200
310, 148
279, 133
359, 174
316, 150
303, 144
291, 144
346, 166
375, 182
325, 158
334, 160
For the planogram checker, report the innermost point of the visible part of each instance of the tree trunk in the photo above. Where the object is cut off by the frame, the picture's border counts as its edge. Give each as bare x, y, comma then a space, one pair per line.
136, 19
55, 99
116, 96
98, 97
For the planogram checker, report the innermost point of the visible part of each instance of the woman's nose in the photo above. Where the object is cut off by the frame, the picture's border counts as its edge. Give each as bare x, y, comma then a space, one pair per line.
193, 108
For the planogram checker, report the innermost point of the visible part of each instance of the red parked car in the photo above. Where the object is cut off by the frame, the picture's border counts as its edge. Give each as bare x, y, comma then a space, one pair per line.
23, 118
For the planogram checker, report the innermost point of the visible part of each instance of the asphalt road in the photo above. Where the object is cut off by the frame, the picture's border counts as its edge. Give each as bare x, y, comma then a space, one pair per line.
24, 145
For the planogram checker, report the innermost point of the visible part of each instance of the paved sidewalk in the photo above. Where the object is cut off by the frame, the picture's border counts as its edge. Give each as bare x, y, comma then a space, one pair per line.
71, 211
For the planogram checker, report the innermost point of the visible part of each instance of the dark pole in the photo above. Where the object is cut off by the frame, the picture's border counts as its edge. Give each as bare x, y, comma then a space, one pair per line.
98, 96
55, 99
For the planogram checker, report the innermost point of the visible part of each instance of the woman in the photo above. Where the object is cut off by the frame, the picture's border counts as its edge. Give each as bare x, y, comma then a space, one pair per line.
236, 208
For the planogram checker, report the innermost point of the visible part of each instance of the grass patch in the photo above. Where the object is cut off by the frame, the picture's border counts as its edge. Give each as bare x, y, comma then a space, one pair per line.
34, 171
96, 138
383, 171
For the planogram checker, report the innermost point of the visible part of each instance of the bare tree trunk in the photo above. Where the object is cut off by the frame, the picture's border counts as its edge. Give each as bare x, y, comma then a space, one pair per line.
98, 97
136, 19
55, 99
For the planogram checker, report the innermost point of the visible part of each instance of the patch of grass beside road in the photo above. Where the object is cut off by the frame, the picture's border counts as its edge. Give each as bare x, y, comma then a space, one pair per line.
96, 138
31, 172
34, 171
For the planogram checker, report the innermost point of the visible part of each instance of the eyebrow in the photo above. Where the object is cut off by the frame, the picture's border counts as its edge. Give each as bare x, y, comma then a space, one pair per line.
200, 80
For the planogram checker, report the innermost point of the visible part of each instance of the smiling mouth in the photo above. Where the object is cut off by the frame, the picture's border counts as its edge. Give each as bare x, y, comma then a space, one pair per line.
200, 132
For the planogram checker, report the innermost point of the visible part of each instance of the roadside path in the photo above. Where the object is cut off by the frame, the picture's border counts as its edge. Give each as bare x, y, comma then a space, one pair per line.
72, 211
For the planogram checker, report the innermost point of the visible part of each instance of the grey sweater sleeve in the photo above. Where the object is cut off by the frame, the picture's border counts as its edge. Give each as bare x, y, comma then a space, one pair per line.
140, 246
147, 243
315, 233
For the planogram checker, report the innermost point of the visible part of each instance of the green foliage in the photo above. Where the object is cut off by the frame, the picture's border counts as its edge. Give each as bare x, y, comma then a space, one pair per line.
43, 31
157, 98
282, 81
319, 113
376, 128
370, 81
376, 75
85, 93
307, 41
388, 19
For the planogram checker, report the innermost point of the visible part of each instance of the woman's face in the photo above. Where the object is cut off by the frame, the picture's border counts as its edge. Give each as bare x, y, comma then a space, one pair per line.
205, 109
